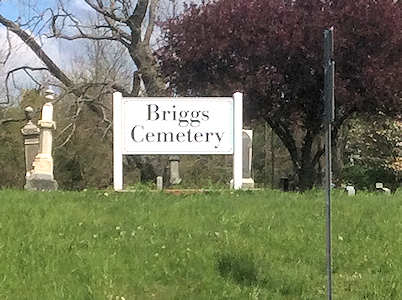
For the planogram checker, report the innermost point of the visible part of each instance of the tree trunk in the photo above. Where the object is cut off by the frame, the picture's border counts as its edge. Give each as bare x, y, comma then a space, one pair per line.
337, 156
304, 162
307, 176
148, 71
307, 173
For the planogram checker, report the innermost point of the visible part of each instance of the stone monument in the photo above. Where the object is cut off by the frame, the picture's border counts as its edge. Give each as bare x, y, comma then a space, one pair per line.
30, 133
174, 169
247, 181
41, 177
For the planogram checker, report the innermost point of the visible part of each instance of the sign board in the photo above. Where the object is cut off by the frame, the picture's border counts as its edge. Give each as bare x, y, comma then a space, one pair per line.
177, 126
210, 125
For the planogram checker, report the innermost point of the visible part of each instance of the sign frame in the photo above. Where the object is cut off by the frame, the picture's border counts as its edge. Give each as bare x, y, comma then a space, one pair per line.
176, 125
120, 126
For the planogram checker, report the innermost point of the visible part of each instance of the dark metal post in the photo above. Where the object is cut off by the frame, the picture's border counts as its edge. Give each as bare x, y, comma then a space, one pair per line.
328, 119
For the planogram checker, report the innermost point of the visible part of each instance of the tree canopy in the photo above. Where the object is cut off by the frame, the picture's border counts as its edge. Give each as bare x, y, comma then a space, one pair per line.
272, 50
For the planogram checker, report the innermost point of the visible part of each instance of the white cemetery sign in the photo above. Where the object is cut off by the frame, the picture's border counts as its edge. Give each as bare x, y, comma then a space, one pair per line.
210, 125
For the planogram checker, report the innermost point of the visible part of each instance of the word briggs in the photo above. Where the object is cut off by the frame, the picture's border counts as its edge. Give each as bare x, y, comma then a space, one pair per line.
185, 117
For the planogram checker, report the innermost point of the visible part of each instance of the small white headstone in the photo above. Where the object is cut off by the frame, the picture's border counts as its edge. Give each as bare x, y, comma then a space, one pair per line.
159, 182
351, 190
386, 190
380, 187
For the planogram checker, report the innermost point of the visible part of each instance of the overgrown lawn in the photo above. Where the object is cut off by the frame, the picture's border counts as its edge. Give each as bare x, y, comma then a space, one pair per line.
217, 245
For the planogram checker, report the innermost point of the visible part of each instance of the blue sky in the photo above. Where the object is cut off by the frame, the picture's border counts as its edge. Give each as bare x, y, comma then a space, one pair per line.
60, 52
11, 8
63, 53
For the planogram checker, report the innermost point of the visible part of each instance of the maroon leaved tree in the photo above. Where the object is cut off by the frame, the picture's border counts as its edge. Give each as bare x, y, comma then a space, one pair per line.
272, 51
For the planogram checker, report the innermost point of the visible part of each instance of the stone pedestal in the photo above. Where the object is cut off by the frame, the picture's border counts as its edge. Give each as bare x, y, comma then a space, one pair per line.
41, 177
30, 133
43, 163
41, 182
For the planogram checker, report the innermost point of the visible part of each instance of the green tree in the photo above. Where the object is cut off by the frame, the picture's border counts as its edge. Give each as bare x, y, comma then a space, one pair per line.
272, 50
372, 151
12, 153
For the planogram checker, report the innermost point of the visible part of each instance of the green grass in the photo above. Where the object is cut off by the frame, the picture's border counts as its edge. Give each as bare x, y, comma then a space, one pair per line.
220, 245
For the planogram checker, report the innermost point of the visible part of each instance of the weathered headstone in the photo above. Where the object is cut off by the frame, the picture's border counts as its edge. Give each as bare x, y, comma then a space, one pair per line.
174, 169
159, 182
30, 133
41, 177
247, 182
380, 187
247, 143
351, 190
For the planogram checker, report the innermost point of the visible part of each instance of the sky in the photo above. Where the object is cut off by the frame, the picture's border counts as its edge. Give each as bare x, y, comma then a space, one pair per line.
12, 8
61, 52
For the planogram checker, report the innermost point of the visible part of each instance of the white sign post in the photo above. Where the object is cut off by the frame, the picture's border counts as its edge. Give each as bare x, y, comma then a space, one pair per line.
209, 125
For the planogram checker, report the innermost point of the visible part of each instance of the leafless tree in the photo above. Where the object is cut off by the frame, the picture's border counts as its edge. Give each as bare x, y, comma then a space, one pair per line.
122, 25
123, 21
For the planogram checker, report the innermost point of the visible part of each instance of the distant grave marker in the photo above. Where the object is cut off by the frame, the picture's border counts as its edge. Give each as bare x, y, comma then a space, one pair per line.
351, 190
380, 187
174, 169
30, 133
41, 177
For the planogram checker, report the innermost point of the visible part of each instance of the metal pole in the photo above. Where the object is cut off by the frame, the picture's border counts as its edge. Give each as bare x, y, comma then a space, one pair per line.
328, 119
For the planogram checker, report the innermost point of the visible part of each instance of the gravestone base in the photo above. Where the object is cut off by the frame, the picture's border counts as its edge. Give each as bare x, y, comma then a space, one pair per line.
41, 182
247, 183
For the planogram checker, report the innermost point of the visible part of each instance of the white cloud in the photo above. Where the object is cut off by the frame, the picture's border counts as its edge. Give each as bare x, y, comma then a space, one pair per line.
22, 55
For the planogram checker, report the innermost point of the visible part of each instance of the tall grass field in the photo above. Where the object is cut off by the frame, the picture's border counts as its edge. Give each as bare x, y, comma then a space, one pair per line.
216, 245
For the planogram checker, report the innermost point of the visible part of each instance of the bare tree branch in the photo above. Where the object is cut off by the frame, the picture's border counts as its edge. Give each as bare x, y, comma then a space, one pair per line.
25, 69
8, 48
73, 124
118, 31
31, 43
10, 120
112, 26
106, 120
151, 23
107, 13
135, 20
